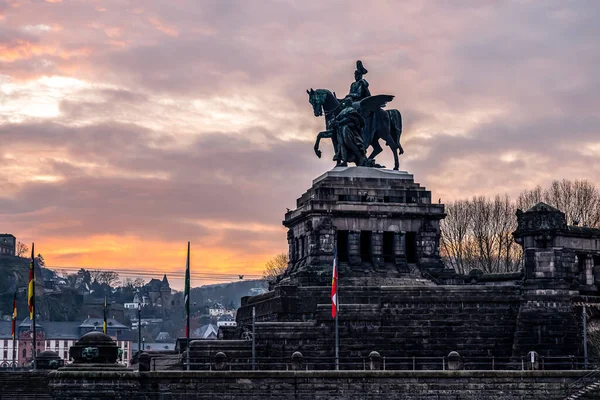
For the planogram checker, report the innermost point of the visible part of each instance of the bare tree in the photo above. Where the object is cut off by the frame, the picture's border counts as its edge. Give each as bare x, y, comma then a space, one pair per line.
276, 266
455, 236
579, 200
477, 233
22, 249
40, 261
529, 198
133, 283
109, 278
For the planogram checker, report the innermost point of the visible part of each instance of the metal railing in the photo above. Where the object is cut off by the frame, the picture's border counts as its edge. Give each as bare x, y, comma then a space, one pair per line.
385, 363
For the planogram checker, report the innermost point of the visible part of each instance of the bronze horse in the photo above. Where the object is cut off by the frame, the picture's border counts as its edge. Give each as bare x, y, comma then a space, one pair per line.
383, 124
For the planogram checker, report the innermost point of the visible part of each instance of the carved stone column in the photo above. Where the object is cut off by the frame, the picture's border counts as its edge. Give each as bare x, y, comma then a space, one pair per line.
589, 270
290, 239
377, 248
354, 247
400, 250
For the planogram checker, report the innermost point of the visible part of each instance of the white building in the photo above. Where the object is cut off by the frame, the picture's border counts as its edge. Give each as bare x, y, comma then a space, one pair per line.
226, 323
6, 345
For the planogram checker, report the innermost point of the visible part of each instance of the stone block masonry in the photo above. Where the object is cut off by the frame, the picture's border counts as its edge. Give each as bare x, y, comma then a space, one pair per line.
293, 385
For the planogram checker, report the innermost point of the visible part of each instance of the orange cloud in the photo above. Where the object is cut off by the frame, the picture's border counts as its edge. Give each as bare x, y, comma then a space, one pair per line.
167, 30
148, 258
22, 49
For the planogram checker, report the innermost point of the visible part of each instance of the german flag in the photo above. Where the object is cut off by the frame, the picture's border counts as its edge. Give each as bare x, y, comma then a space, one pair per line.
104, 325
14, 317
334, 285
31, 287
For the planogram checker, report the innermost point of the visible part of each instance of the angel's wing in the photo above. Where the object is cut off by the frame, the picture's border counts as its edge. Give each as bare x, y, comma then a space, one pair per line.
372, 103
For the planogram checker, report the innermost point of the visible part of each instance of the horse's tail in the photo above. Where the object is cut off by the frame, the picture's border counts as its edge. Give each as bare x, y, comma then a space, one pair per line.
395, 125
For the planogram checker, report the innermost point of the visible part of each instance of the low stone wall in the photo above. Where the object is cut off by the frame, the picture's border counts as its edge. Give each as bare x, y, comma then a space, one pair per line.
316, 385
24, 385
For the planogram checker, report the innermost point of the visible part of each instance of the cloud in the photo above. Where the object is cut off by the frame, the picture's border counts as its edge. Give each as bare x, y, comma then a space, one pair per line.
156, 123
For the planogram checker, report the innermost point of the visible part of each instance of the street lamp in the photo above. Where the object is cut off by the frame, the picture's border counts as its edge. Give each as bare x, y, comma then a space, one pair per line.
139, 328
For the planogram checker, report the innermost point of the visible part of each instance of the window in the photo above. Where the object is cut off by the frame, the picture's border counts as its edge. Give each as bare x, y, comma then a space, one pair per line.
24, 353
6, 343
47, 343
65, 355
66, 344
119, 332
125, 344
5, 354
37, 352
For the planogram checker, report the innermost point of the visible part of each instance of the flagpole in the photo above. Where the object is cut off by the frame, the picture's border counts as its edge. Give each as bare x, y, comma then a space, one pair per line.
14, 332
187, 308
14, 352
337, 330
34, 308
335, 307
104, 325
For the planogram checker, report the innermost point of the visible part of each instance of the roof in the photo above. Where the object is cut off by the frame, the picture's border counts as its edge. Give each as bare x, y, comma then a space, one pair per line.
541, 206
7, 235
62, 330
154, 285
163, 337
27, 322
153, 346
584, 230
205, 331
94, 322
5, 329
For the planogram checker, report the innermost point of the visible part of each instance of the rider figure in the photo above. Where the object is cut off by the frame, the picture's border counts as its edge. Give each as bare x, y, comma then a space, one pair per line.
359, 89
348, 126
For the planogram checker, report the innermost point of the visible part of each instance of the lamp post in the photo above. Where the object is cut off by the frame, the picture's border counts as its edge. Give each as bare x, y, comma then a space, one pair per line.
585, 349
253, 338
139, 328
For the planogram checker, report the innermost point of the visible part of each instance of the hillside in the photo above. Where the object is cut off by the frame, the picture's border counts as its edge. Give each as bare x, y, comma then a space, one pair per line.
225, 293
63, 303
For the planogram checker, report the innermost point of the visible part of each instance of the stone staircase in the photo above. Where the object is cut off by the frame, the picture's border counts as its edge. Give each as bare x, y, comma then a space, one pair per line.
586, 388
24, 386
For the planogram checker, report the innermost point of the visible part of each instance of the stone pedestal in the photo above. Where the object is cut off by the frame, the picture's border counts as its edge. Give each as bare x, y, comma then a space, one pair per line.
355, 209
95, 373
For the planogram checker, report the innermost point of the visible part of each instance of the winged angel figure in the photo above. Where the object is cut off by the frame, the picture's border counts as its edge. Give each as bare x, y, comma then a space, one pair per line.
353, 126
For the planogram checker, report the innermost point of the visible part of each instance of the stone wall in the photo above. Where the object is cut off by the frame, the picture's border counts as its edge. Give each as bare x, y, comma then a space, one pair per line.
396, 321
309, 385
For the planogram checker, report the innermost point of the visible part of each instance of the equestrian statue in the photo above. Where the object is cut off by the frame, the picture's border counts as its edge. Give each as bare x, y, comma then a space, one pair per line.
356, 122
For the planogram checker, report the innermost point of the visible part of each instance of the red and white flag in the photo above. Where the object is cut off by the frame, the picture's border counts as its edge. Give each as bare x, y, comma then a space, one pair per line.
334, 283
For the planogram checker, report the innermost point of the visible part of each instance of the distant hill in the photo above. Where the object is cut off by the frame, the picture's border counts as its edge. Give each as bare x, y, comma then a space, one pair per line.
225, 293
15, 276
63, 303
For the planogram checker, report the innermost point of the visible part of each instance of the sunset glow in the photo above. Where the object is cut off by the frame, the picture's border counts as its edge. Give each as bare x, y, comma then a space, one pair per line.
128, 129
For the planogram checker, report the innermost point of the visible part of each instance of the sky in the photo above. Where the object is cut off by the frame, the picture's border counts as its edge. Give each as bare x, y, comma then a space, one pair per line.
130, 128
